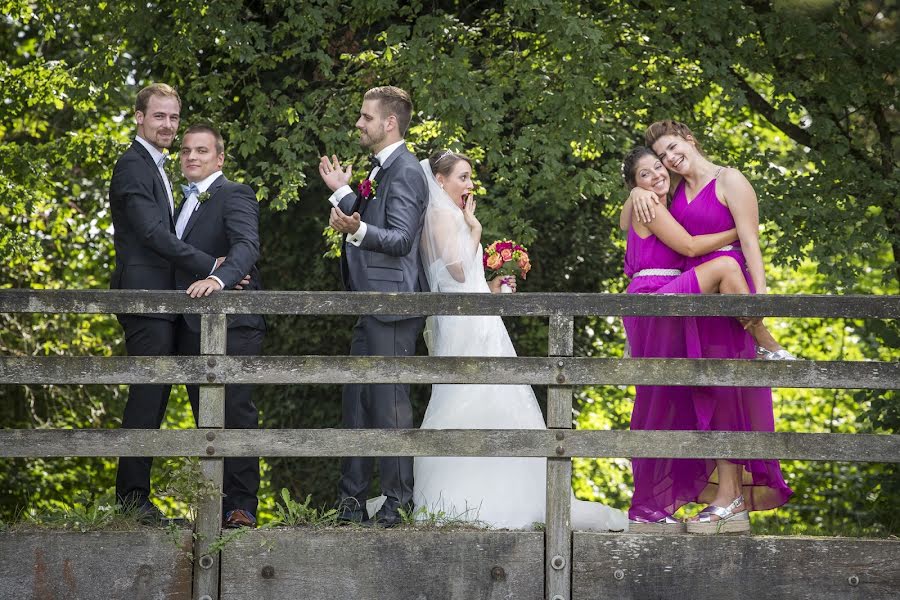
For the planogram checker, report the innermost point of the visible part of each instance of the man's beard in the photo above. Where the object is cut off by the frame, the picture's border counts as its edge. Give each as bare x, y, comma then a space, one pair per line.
367, 140
159, 143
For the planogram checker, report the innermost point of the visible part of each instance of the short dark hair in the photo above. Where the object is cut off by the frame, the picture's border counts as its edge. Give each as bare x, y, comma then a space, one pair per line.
670, 127
207, 128
154, 89
393, 101
629, 164
443, 161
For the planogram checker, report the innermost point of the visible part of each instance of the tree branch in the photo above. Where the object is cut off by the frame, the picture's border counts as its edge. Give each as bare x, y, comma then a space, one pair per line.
762, 106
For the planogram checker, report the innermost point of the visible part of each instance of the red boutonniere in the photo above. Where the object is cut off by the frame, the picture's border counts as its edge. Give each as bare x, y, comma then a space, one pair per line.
366, 189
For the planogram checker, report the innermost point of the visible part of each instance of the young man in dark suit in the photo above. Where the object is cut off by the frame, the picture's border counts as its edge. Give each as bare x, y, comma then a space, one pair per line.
382, 225
147, 251
221, 217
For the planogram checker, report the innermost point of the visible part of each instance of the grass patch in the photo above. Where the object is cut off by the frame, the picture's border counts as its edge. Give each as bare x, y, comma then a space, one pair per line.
770, 526
291, 513
86, 513
423, 518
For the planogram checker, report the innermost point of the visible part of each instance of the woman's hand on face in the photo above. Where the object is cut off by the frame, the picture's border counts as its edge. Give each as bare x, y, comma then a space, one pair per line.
642, 203
495, 283
469, 213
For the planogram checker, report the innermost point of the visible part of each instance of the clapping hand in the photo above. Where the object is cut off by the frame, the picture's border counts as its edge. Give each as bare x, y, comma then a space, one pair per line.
333, 174
342, 223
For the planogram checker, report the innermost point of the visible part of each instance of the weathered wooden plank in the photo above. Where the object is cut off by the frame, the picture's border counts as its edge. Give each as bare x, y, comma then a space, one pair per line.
558, 538
450, 442
557, 542
83, 370
213, 342
139, 565
207, 530
559, 397
355, 563
683, 567
534, 304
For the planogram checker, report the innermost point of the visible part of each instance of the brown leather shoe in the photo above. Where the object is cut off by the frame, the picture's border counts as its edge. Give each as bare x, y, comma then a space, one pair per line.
238, 518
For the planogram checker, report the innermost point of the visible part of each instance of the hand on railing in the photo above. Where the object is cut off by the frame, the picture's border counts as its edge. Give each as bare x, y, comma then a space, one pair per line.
203, 287
243, 282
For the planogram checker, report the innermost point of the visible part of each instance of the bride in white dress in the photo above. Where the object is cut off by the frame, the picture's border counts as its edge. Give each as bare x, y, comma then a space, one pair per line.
495, 491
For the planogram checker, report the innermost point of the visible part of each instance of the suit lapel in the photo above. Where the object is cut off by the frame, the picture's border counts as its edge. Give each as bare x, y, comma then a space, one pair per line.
142, 152
201, 207
364, 204
380, 175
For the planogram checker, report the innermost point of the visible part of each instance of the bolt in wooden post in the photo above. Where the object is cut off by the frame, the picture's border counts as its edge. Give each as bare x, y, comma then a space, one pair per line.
213, 335
558, 536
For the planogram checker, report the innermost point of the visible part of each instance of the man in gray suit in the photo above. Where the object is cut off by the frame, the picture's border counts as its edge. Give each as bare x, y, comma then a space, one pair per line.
382, 223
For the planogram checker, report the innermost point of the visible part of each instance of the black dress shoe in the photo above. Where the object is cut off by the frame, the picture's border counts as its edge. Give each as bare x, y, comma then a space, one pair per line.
350, 511
388, 516
145, 512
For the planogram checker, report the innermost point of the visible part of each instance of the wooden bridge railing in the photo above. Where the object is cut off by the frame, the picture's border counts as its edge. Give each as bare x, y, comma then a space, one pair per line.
560, 370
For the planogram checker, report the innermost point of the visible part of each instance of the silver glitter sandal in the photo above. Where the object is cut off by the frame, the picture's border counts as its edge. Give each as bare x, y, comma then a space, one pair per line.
728, 520
664, 525
780, 354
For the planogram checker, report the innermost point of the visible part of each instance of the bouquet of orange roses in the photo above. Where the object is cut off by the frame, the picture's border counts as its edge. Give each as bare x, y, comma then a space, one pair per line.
504, 258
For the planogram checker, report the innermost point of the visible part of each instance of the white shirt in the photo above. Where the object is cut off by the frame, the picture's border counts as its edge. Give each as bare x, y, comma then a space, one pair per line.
191, 204
159, 158
357, 238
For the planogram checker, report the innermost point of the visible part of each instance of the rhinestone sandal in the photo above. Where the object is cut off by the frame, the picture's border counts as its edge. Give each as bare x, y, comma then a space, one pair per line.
664, 525
780, 354
728, 520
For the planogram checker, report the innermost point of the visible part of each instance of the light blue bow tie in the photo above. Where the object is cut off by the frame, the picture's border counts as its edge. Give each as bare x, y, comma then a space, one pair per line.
190, 189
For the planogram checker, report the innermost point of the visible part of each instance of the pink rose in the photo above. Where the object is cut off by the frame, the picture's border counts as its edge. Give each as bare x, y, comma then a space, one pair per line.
494, 261
506, 254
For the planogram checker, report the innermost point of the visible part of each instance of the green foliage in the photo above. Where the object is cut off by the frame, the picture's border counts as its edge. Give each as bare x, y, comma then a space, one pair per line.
184, 483
85, 513
294, 514
423, 517
545, 95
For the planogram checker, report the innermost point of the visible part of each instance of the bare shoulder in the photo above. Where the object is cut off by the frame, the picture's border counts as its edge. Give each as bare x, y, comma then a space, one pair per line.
729, 176
733, 186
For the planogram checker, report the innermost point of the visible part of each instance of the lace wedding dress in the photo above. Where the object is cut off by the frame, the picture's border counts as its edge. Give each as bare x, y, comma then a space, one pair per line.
497, 492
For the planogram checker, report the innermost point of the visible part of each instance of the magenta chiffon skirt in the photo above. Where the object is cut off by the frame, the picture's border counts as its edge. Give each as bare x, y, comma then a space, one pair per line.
663, 485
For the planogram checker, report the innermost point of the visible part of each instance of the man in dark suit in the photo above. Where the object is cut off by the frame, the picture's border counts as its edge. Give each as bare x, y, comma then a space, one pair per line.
382, 224
221, 217
147, 252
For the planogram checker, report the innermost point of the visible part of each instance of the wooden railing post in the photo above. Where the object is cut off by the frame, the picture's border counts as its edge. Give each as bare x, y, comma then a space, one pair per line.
213, 336
558, 536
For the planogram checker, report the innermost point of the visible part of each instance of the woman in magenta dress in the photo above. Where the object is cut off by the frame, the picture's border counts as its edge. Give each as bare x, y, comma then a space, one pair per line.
655, 259
711, 199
